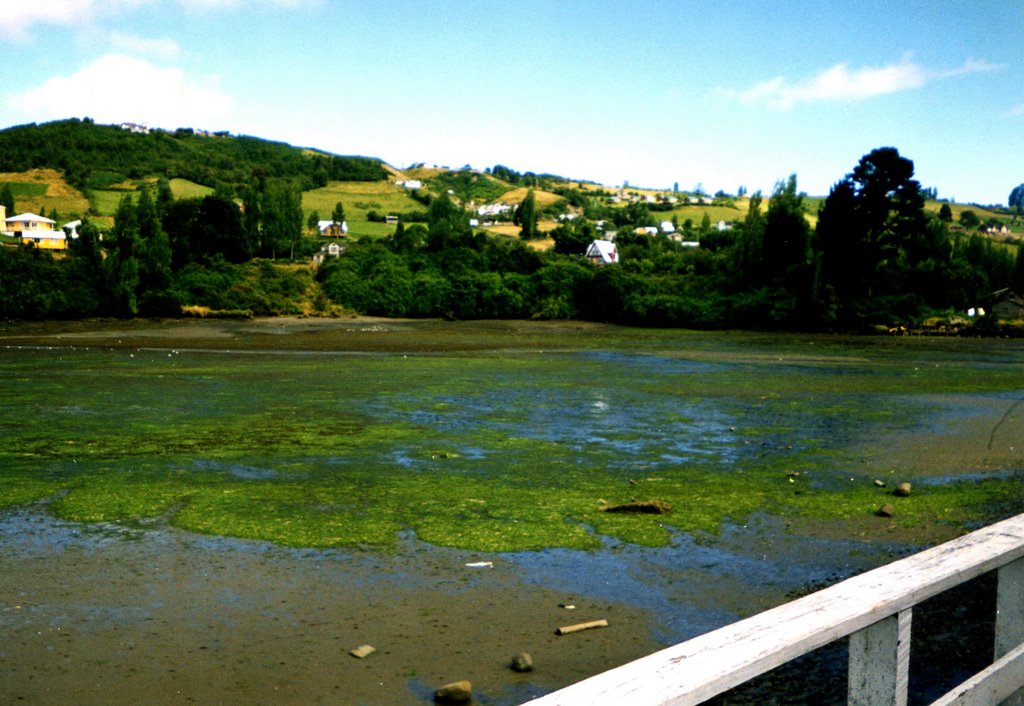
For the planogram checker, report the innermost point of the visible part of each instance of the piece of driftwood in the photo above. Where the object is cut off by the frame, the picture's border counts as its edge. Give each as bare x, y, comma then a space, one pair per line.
363, 651
565, 630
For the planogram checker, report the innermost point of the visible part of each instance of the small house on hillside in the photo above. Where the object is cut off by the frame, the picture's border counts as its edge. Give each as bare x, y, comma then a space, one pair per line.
1007, 304
332, 229
328, 250
602, 252
33, 229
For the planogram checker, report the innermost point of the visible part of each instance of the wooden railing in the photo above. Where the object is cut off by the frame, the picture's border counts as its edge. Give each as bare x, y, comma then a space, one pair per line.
873, 609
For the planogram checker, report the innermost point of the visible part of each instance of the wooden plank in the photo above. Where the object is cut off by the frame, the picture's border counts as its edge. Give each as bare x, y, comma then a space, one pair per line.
990, 686
880, 663
1010, 617
1010, 607
695, 670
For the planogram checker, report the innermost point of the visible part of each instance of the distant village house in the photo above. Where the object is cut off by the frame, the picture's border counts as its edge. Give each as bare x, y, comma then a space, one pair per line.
33, 229
332, 229
602, 252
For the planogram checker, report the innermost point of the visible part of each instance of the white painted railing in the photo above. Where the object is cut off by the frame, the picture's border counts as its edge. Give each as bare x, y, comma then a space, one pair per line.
874, 609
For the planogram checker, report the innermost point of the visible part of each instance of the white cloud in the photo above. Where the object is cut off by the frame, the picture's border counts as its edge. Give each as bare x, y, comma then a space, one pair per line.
19, 16
118, 88
841, 83
161, 48
212, 5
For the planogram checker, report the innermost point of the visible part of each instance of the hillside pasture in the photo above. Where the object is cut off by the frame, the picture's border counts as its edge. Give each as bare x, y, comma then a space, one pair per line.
105, 201
518, 195
37, 189
358, 199
185, 189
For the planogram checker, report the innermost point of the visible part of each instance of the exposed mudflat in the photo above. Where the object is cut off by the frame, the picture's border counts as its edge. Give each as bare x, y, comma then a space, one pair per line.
102, 614
93, 614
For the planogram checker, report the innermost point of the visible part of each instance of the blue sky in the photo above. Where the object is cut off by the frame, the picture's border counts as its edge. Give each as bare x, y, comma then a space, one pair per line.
717, 94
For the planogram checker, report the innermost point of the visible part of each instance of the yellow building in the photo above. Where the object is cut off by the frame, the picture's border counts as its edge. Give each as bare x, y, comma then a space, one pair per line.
32, 229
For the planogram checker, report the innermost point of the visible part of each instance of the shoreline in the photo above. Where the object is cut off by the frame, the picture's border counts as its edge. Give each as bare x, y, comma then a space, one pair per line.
102, 614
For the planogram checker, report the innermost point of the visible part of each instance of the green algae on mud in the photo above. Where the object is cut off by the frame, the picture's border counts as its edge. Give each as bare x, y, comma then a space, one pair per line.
513, 439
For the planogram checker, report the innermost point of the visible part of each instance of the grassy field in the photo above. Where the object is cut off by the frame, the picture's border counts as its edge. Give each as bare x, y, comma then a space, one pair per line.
359, 198
37, 189
185, 189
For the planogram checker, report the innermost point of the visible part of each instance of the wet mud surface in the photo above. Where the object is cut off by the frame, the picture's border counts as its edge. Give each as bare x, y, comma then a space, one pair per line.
103, 614
93, 614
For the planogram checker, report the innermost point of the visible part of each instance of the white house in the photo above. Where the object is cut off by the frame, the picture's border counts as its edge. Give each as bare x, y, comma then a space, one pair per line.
602, 252
330, 229
667, 227
329, 250
493, 209
136, 128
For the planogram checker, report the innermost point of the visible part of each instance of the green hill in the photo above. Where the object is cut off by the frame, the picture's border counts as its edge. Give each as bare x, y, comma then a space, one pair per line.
98, 157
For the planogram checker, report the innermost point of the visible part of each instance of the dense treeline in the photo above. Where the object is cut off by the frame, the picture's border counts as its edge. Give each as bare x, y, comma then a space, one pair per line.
875, 257
96, 156
163, 255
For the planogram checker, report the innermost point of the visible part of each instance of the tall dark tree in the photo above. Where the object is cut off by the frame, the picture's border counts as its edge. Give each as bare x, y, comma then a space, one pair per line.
155, 270
447, 224
871, 229
164, 196
749, 247
282, 219
528, 216
1016, 200
7, 199
122, 264
338, 214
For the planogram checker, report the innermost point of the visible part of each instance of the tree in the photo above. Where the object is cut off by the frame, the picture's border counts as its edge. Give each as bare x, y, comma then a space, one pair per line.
1016, 200
313, 222
749, 247
786, 232
945, 213
527, 216
7, 199
871, 231
447, 224
969, 219
155, 247
338, 214
282, 219
122, 265
164, 196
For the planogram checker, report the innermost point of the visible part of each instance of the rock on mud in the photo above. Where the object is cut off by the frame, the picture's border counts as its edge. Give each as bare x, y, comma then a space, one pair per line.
885, 511
902, 490
522, 662
459, 692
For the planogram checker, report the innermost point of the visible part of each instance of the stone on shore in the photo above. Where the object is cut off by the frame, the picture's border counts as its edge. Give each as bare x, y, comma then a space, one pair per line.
459, 692
886, 510
522, 662
902, 490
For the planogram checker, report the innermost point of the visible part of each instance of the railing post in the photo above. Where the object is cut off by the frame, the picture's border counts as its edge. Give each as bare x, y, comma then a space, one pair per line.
1010, 616
880, 662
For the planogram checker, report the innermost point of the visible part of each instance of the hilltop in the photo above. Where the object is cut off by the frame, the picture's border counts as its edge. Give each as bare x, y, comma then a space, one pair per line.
76, 168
